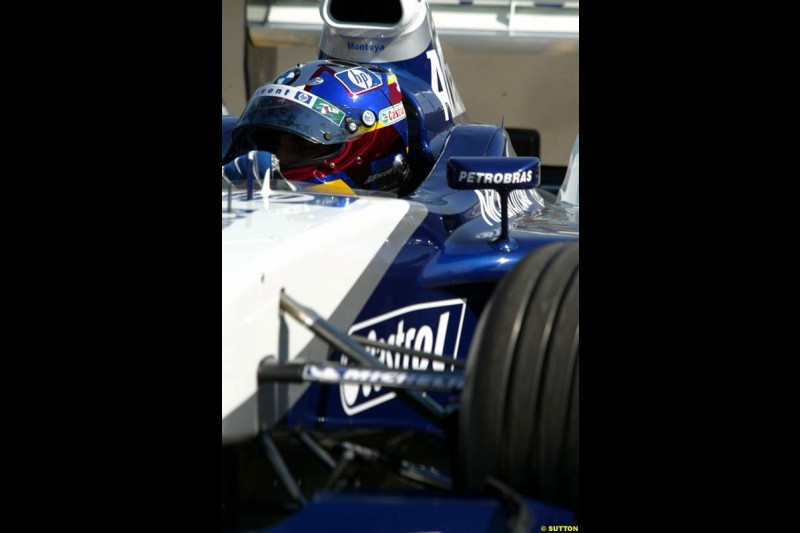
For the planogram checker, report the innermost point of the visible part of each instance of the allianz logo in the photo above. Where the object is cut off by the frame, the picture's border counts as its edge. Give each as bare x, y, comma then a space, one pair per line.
433, 327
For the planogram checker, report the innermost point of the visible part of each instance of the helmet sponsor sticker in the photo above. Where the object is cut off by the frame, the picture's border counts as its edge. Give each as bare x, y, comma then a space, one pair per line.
276, 90
329, 111
323, 107
359, 80
390, 115
433, 327
287, 77
303, 97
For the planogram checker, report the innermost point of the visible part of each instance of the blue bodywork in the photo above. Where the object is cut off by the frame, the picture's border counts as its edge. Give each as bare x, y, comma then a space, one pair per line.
397, 512
449, 256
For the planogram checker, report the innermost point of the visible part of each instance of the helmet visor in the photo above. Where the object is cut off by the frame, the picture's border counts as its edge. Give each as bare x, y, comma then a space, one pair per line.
290, 149
295, 111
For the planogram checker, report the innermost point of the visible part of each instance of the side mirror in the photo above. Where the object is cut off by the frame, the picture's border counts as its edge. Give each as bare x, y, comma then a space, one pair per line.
501, 174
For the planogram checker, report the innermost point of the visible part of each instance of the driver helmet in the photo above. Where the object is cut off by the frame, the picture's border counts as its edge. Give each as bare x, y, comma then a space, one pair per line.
328, 120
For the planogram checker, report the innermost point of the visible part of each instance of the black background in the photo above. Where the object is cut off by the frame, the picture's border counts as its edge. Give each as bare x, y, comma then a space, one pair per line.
113, 266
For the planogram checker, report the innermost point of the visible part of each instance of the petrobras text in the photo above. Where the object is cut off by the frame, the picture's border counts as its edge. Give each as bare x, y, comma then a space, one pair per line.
494, 172
432, 327
496, 178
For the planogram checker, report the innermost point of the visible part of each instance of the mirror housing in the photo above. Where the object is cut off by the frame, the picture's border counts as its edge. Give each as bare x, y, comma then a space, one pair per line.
497, 173
501, 174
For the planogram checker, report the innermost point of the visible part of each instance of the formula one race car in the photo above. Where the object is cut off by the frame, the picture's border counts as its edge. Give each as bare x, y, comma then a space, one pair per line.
402, 361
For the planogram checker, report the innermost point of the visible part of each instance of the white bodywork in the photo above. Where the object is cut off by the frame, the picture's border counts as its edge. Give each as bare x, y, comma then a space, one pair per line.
568, 193
406, 39
508, 25
315, 253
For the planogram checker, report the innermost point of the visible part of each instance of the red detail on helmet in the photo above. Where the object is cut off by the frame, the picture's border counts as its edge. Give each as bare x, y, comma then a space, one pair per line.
317, 74
369, 147
395, 96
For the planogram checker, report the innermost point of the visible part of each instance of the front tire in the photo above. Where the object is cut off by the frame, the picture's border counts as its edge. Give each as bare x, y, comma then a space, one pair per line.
519, 408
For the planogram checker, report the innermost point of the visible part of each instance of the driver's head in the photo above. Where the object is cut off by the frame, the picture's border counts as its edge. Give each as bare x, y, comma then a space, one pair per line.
327, 120
289, 148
